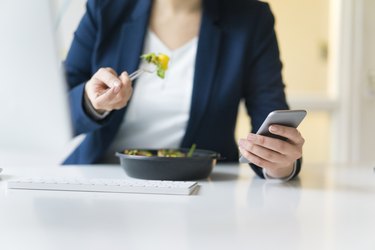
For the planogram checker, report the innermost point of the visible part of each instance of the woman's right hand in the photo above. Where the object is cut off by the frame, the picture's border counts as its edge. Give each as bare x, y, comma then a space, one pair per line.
107, 91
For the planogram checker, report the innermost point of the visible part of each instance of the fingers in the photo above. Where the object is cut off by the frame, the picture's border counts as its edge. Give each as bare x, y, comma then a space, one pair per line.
263, 156
292, 134
108, 77
107, 91
277, 145
272, 153
276, 170
261, 162
124, 77
117, 100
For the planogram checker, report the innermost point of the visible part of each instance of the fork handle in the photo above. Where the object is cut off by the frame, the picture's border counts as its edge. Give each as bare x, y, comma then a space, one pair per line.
136, 74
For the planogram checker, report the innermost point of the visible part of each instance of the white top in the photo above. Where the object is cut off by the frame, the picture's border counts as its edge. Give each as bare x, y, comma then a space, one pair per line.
158, 112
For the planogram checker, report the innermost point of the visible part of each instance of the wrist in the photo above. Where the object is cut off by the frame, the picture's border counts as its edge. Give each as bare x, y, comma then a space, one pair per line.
286, 173
92, 111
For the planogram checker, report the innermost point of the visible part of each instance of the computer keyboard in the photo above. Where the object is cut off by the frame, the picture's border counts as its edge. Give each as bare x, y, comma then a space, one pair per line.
105, 185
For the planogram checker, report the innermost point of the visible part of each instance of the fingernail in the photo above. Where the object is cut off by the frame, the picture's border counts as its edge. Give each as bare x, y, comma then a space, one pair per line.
116, 89
116, 83
251, 137
273, 128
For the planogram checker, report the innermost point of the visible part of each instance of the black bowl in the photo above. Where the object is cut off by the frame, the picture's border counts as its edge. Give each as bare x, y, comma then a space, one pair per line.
198, 166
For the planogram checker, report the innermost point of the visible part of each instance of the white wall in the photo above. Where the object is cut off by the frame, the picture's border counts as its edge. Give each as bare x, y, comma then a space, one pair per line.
71, 12
302, 29
354, 60
367, 133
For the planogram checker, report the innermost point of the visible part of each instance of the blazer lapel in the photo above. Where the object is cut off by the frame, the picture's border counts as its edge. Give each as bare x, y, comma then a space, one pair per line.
205, 71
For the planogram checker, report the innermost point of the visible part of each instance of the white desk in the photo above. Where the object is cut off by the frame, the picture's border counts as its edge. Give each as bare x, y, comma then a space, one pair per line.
328, 208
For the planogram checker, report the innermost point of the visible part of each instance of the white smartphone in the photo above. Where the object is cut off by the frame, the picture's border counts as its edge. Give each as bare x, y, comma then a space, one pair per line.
290, 118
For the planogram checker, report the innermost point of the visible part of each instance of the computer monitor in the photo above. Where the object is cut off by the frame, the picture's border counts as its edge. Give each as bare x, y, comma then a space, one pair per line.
34, 112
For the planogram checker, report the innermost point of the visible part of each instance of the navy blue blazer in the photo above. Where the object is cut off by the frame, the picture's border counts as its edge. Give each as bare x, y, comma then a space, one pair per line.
237, 59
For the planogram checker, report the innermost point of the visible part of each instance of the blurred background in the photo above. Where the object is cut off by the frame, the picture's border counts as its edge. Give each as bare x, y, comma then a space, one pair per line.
328, 53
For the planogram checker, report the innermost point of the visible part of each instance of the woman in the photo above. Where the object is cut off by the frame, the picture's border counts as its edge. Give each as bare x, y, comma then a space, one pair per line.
221, 52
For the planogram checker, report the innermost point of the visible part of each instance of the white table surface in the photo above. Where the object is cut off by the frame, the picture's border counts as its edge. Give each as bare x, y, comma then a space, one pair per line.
329, 207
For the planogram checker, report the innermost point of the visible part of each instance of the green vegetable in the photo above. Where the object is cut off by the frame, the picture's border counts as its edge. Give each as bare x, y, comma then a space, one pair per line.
191, 150
137, 152
161, 152
161, 61
170, 153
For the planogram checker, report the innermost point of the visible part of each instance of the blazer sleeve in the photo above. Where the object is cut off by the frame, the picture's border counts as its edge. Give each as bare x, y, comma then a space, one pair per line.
264, 87
78, 69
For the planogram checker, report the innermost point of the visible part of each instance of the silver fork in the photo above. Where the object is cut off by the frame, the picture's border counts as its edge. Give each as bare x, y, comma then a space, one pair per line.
148, 68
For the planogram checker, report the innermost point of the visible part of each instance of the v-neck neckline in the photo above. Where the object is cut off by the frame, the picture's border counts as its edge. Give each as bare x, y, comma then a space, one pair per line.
166, 48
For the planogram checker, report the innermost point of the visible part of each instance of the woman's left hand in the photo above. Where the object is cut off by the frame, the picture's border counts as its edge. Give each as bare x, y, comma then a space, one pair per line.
277, 157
